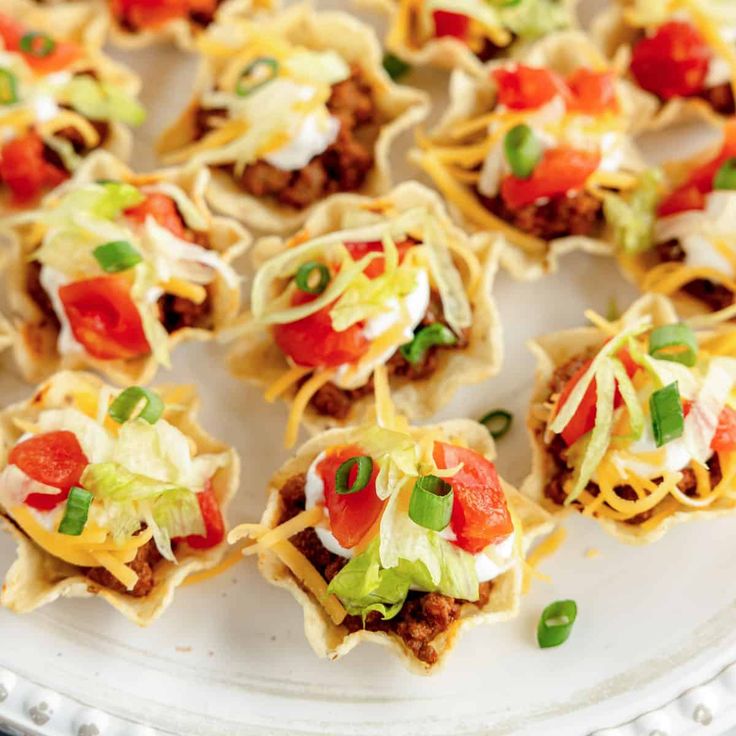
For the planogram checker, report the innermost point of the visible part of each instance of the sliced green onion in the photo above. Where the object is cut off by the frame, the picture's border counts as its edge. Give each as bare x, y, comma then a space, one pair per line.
396, 68
427, 337
121, 410
523, 150
725, 177
76, 512
676, 343
362, 477
8, 87
668, 418
430, 505
498, 422
555, 623
116, 256
37, 44
259, 72
306, 283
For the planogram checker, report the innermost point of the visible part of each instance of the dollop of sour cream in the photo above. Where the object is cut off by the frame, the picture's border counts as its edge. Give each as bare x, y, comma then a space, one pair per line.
412, 308
489, 564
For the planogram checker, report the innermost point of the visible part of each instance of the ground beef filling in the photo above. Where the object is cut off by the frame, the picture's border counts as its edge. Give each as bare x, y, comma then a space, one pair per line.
720, 98
336, 402
143, 565
714, 296
561, 473
344, 165
556, 217
424, 616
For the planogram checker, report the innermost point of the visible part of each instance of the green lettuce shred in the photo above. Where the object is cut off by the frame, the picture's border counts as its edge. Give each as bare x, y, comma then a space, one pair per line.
632, 218
99, 100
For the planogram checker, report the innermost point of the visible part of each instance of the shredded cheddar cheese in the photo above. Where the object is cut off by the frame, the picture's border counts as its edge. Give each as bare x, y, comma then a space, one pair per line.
301, 400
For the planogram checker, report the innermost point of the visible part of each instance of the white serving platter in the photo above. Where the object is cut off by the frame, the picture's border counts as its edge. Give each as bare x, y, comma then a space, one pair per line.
652, 652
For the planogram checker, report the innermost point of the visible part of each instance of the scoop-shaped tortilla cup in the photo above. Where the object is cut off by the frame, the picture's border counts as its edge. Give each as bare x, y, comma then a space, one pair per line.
556, 350
257, 358
37, 578
35, 340
331, 640
398, 109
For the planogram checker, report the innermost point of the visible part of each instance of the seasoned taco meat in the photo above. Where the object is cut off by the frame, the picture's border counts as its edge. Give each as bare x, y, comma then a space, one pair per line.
714, 296
343, 167
176, 312
555, 217
143, 565
332, 401
720, 98
562, 474
424, 616
201, 14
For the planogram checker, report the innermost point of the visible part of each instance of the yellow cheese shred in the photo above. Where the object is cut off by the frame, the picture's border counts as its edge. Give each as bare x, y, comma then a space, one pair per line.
115, 567
288, 529
667, 278
385, 410
66, 119
301, 400
300, 567
193, 292
285, 381
542, 551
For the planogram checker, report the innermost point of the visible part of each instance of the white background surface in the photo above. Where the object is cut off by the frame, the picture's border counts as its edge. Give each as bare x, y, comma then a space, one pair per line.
230, 656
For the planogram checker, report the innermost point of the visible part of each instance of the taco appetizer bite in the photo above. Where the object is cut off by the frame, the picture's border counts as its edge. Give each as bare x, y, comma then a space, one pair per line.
681, 52
466, 34
530, 150
116, 494
397, 535
115, 269
634, 422
60, 98
289, 111
137, 23
681, 240
370, 283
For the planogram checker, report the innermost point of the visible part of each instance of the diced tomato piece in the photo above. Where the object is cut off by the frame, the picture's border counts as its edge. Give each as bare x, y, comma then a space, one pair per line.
526, 87
313, 342
62, 55
55, 459
561, 170
214, 525
351, 515
682, 199
376, 268
724, 439
446, 23
480, 515
104, 318
673, 62
592, 92
583, 420
149, 13
24, 170
163, 209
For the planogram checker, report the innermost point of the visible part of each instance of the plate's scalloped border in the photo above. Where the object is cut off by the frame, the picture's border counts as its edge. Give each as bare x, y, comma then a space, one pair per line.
29, 709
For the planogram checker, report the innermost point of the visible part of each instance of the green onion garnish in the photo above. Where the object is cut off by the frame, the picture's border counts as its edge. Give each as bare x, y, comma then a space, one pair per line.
498, 422
305, 282
8, 87
342, 476
37, 44
121, 410
76, 512
668, 419
116, 256
396, 68
427, 337
523, 150
725, 177
555, 624
259, 72
431, 503
676, 343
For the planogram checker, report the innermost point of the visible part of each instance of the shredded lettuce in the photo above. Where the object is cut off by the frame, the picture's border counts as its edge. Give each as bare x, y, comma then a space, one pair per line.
396, 455
631, 400
530, 19
632, 218
317, 67
600, 437
365, 585
65, 150
99, 100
